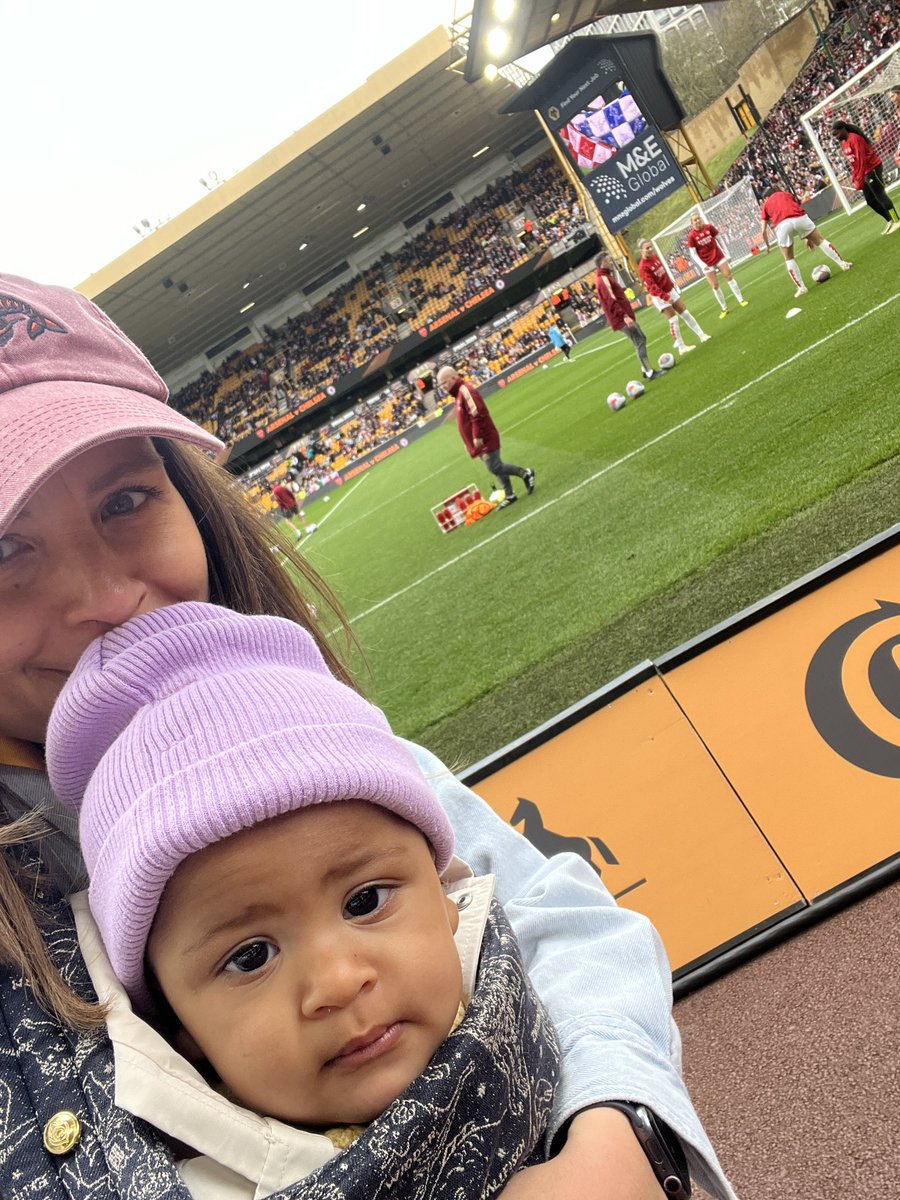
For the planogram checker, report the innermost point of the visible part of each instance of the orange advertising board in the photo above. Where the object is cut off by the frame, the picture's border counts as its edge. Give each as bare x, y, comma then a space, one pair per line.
802, 712
632, 788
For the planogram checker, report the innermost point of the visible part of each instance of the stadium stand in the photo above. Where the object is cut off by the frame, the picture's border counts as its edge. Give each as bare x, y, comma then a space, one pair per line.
315, 459
445, 265
856, 34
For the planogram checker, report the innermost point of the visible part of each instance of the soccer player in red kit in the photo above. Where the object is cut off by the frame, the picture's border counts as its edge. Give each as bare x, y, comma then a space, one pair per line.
709, 256
788, 219
867, 172
619, 313
289, 508
665, 296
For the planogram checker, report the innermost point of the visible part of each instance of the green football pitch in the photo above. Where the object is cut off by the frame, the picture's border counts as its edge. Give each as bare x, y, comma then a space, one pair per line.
758, 457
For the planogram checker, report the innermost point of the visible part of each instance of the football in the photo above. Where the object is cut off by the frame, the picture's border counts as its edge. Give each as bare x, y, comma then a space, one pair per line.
616, 400
497, 495
633, 389
821, 273
666, 362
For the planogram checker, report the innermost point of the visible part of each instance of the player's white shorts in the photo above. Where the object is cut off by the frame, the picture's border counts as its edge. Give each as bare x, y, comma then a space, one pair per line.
793, 227
661, 303
712, 268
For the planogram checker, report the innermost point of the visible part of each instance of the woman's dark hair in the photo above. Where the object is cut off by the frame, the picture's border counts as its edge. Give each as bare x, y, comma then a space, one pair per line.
23, 921
253, 570
847, 127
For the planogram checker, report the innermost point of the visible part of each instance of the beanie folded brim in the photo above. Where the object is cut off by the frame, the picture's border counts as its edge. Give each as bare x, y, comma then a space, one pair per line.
206, 802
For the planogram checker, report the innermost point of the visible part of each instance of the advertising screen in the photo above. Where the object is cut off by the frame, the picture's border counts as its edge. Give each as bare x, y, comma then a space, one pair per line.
604, 124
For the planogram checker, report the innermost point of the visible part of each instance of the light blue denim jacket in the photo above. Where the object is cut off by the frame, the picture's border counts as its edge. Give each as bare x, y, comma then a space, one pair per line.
601, 971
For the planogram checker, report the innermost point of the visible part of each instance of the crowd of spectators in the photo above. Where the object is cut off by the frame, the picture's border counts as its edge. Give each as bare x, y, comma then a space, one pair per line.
318, 458
495, 350
858, 32
446, 264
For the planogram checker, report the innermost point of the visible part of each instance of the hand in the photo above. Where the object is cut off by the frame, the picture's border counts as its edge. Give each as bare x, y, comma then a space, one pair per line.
477, 443
601, 1160
629, 321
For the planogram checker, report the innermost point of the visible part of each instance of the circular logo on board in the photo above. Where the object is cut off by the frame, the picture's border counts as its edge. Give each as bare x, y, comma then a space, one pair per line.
840, 721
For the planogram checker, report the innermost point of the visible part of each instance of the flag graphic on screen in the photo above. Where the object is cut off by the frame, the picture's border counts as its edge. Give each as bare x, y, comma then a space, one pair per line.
594, 135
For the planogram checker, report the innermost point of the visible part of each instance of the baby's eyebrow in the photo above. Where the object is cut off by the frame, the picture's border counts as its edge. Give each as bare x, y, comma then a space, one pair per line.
250, 912
379, 860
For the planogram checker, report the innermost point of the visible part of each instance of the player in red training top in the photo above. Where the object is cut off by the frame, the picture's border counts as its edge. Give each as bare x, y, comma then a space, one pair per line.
619, 313
289, 508
480, 435
866, 171
665, 296
788, 219
709, 256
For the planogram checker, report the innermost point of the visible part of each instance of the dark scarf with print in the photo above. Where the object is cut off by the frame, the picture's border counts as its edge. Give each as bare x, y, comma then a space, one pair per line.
475, 1116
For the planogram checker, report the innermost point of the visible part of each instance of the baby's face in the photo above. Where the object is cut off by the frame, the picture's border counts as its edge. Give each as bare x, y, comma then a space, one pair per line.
311, 961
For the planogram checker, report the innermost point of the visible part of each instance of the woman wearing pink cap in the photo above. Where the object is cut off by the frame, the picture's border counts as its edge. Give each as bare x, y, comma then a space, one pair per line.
110, 507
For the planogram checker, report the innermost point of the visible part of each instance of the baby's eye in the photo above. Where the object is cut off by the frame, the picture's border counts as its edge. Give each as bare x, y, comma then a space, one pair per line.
367, 900
252, 957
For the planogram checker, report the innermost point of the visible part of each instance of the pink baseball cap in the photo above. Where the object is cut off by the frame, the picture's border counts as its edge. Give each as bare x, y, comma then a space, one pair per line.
70, 380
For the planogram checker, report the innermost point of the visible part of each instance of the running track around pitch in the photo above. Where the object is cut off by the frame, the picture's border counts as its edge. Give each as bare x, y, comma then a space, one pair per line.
717, 406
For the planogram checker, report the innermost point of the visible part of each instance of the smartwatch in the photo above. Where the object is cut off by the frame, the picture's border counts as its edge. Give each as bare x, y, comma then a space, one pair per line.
660, 1144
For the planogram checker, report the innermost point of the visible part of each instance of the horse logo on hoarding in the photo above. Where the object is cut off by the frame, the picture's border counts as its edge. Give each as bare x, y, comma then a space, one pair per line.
827, 703
549, 843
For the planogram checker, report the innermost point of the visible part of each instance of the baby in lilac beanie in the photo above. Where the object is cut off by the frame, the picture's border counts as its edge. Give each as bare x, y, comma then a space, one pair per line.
264, 876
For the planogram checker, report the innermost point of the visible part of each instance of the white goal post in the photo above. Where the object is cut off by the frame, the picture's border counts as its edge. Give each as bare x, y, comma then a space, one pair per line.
863, 100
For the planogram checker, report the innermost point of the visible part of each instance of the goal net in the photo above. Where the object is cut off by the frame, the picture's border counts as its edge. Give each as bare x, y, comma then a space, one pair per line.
865, 101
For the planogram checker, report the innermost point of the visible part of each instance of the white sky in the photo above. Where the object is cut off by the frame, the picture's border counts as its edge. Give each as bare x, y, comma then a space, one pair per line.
113, 109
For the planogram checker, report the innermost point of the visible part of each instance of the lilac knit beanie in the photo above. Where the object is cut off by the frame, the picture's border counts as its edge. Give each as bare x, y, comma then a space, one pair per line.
191, 723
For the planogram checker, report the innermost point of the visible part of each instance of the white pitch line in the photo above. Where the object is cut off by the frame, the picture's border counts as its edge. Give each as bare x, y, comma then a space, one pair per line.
725, 402
344, 496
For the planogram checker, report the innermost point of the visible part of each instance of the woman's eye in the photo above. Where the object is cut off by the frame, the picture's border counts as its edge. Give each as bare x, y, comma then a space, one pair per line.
367, 900
9, 548
125, 502
252, 957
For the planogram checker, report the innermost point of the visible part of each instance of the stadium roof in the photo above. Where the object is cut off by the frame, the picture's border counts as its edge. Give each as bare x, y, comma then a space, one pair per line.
532, 25
306, 190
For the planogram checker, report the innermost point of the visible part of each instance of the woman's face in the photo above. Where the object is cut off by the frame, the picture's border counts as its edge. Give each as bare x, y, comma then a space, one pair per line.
106, 538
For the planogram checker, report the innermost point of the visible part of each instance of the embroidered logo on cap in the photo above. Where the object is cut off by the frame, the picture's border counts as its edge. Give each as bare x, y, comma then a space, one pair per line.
13, 311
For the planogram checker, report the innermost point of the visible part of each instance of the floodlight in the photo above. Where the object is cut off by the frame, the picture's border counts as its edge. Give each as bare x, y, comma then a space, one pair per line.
497, 41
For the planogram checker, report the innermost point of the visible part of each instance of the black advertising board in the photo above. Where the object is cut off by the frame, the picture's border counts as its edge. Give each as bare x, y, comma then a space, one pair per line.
622, 157
606, 100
